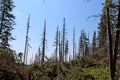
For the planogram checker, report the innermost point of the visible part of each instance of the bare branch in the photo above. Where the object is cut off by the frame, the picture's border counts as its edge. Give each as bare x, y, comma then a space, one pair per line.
94, 16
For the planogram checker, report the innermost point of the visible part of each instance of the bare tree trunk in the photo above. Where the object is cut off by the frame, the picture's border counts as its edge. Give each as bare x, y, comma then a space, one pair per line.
63, 41
74, 43
43, 42
56, 44
26, 42
117, 40
112, 75
113, 55
59, 44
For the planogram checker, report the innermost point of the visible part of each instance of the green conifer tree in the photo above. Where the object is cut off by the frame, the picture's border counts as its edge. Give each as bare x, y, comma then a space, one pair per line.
6, 22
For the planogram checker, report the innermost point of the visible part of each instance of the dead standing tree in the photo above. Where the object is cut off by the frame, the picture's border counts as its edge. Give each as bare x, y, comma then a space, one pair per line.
44, 42
74, 43
27, 45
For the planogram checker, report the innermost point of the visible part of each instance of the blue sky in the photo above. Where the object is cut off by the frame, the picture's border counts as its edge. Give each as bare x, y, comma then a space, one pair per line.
76, 13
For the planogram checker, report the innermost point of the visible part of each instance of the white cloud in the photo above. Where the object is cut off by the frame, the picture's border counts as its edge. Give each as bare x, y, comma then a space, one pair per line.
18, 13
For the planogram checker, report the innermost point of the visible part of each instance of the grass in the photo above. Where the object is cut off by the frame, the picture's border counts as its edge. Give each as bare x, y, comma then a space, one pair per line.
97, 73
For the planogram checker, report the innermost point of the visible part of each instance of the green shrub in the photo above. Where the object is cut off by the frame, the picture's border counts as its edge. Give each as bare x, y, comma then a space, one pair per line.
86, 62
89, 77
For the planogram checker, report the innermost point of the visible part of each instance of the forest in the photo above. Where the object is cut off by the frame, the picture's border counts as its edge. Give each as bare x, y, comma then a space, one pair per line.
98, 59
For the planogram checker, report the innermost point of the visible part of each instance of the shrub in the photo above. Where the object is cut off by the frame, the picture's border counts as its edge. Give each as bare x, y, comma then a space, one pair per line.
86, 62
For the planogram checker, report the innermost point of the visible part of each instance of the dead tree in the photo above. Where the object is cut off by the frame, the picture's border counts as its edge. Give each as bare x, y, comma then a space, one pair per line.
27, 45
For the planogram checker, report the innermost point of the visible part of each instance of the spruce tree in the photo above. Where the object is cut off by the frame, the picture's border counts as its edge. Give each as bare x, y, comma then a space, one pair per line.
113, 42
6, 22
39, 54
83, 46
94, 42
56, 43
102, 33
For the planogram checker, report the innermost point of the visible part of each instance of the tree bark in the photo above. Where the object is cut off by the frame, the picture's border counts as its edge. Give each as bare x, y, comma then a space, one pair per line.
43, 42
112, 75
117, 40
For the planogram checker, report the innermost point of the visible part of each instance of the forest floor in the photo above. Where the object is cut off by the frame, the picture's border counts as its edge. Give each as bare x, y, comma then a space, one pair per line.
92, 67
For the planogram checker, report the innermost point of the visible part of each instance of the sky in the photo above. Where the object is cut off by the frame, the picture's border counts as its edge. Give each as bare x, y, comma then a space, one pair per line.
75, 12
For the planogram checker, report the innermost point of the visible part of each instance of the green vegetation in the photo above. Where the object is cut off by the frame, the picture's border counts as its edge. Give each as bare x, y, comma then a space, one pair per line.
89, 63
85, 68
94, 67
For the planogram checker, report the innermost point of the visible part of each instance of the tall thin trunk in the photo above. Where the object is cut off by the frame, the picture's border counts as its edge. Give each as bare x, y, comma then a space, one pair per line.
117, 39
63, 43
59, 47
56, 43
112, 75
43, 43
74, 43
26, 43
